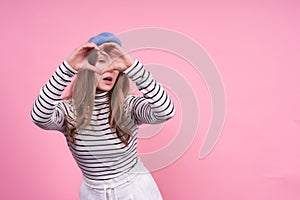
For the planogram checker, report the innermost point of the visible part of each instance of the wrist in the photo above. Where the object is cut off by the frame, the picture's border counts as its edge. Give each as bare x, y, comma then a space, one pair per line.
68, 66
71, 64
134, 64
129, 61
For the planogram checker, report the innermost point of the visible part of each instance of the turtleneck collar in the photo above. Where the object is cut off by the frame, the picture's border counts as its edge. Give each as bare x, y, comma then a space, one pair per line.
101, 96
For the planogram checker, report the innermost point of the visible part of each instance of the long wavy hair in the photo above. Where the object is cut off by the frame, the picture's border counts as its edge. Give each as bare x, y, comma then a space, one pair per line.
82, 95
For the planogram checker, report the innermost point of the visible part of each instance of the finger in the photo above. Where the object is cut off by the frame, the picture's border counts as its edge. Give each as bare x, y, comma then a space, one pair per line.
106, 44
109, 68
89, 49
93, 68
109, 46
88, 46
87, 65
91, 45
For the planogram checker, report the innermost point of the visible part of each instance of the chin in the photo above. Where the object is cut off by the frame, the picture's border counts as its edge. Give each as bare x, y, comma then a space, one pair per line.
105, 88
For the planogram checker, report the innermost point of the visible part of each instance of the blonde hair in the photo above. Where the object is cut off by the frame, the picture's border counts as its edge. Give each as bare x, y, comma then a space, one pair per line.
82, 96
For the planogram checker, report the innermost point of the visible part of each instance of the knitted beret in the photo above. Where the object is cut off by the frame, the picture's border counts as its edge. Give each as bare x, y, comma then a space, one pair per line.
105, 37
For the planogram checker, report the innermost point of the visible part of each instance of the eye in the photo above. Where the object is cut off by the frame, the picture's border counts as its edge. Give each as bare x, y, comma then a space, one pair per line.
101, 61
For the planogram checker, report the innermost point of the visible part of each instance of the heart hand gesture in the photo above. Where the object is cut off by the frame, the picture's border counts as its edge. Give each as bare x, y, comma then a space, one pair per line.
79, 58
120, 59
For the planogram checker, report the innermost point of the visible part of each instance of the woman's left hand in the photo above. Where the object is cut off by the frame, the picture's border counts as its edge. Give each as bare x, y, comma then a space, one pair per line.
121, 60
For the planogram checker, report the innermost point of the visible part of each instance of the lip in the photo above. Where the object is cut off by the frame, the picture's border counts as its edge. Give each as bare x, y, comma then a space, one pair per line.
108, 82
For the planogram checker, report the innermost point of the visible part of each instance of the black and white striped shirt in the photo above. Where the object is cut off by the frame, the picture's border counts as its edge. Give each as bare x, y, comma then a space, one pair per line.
98, 151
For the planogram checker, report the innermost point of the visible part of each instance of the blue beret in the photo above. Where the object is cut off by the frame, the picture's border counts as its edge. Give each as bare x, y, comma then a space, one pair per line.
105, 37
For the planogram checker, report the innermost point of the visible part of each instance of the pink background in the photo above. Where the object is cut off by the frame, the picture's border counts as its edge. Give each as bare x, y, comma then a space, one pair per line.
255, 45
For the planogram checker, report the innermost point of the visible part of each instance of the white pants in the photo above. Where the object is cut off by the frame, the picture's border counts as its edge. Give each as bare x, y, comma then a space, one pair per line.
137, 184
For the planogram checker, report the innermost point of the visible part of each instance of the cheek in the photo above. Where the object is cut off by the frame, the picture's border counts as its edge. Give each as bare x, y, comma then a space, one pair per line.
98, 78
115, 74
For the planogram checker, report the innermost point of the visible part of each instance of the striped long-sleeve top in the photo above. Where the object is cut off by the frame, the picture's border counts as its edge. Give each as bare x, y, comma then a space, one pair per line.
98, 151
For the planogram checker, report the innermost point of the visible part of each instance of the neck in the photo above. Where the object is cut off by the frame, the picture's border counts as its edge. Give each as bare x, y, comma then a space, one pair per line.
101, 96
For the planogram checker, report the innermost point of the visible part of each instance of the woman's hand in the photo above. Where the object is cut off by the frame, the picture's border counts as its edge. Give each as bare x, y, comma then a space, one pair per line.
121, 60
78, 59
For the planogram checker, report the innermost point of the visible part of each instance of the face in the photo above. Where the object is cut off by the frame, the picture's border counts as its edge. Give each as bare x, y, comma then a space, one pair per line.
107, 80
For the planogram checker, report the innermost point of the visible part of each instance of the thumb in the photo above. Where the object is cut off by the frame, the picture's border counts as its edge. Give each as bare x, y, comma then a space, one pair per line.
88, 66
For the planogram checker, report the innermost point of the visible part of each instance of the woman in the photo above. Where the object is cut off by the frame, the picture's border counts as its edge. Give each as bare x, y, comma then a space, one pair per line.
100, 119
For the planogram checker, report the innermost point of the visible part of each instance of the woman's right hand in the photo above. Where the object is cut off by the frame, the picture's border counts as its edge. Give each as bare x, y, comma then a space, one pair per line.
78, 59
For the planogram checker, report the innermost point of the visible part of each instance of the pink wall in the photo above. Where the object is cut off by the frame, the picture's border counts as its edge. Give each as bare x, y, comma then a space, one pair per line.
255, 46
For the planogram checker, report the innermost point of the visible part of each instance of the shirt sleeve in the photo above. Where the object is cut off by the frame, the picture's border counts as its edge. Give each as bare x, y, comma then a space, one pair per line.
46, 112
155, 106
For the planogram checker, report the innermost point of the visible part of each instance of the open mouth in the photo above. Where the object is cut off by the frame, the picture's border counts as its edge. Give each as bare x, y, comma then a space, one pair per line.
107, 79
